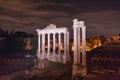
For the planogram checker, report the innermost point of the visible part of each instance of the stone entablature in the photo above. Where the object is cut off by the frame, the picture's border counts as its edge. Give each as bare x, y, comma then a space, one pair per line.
52, 29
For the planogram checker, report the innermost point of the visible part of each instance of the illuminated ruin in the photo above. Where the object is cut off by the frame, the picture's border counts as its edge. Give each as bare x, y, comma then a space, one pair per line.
51, 34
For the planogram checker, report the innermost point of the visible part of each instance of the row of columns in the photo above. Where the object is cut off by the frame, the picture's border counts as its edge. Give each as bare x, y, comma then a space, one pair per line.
77, 27
79, 64
66, 43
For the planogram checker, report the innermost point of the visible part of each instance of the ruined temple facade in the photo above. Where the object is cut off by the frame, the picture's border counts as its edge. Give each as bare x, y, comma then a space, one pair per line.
51, 37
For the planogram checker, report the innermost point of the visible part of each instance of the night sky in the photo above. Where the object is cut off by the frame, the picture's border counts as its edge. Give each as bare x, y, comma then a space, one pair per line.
102, 17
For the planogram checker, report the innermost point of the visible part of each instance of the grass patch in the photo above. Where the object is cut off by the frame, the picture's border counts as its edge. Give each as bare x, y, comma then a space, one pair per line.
54, 66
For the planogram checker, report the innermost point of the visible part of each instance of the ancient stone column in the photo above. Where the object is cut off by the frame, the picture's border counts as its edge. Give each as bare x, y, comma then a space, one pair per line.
83, 45
53, 43
43, 45
78, 66
59, 47
39, 44
75, 26
68, 55
48, 43
78, 46
59, 43
65, 49
75, 46
65, 42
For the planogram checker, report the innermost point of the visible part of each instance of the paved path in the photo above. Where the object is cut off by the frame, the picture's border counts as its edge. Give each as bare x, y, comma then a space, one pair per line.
9, 76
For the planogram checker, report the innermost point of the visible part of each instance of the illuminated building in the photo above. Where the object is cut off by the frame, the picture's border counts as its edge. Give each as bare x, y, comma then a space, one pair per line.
90, 44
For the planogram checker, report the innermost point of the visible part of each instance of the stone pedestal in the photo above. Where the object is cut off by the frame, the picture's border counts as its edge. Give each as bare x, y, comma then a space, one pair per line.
75, 69
48, 55
78, 70
83, 70
64, 59
59, 58
41, 65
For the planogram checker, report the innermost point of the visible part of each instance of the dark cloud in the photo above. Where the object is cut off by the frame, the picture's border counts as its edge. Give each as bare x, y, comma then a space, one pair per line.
101, 17
101, 22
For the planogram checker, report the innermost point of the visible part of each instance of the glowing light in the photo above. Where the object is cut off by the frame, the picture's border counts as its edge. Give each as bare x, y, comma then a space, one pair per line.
28, 46
90, 44
61, 48
72, 48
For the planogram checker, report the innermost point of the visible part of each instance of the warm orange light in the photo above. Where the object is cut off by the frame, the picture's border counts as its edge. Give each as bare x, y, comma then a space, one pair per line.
61, 48
72, 48
28, 46
89, 44
46, 46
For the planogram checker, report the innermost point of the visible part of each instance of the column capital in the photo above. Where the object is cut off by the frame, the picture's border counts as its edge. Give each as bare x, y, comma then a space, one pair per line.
75, 20
53, 33
65, 33
39, 34
83, 27
75, 23
81, 23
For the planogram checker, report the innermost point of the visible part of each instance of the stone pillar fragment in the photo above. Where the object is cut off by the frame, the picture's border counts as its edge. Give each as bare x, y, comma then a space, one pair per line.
84, 45
48, 43
43, 45
39, 42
